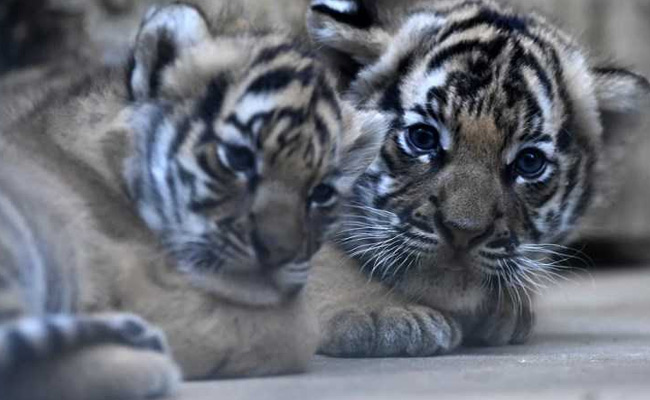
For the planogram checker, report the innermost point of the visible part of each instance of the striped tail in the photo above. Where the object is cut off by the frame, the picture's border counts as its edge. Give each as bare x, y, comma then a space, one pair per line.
97, 357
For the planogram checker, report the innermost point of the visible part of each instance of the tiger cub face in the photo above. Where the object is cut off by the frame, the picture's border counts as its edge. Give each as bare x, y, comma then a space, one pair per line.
495, 133
241, 155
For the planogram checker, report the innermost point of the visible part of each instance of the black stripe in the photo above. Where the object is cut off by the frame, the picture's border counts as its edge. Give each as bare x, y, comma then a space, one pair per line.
181, 133
439, 95
583, 203
391, 99
461, 6
279, 79
204, 161
204, 205
500, 21
564, 139
322, 133
359, 18
165, 55
188, 179
173, 190
550, 193
326, 93
528, 223
210, 107
491, 50
421, 239
622, 72
572, 179
271, 53
382, 201
521, 57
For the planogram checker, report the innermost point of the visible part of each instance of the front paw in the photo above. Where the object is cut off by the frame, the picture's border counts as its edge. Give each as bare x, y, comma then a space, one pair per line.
510, 325
410, 331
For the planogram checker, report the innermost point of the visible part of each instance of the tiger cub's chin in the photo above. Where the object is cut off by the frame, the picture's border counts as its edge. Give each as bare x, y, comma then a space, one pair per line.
256, 288
495, 149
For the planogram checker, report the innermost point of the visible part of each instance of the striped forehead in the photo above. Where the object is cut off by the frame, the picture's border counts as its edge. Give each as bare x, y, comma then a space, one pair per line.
489, 66
283, 105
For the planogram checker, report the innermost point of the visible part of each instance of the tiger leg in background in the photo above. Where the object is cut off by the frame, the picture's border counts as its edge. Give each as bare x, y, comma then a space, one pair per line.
45, 349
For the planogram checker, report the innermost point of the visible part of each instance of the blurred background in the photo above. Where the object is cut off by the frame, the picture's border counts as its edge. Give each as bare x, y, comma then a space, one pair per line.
38, 32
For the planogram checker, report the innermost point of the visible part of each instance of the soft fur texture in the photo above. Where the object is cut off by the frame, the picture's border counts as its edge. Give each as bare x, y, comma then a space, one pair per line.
191, 191
494, 151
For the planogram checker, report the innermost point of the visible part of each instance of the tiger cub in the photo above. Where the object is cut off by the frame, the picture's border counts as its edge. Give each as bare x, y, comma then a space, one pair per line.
190, 191
498, 137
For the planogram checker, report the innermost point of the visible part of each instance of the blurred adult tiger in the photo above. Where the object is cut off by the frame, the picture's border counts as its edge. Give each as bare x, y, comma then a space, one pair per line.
494, 149
193, 196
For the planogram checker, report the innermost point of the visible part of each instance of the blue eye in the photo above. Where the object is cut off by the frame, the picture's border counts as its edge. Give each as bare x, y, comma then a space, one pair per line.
531, 163
240, 158
423, 138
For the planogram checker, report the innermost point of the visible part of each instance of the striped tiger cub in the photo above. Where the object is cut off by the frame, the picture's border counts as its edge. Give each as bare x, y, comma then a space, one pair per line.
169, 214
499, 133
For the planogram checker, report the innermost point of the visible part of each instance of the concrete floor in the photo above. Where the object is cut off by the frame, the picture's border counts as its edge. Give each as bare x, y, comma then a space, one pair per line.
592, 343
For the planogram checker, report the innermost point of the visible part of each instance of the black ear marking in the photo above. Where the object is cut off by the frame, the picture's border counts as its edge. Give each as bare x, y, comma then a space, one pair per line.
622, 73
165, 33
166, 54
349, 12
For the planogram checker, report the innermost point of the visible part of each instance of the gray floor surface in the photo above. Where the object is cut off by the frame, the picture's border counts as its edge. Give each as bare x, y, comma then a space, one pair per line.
592, 342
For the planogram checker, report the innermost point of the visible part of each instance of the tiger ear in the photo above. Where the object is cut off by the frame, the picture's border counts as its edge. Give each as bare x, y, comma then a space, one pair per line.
620, 91
362, 141
348, 28
623, 100
165, 32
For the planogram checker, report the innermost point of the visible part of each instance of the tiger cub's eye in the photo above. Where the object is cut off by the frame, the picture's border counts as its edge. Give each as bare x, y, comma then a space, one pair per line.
240, 158
424, 138
531, 163
323, 195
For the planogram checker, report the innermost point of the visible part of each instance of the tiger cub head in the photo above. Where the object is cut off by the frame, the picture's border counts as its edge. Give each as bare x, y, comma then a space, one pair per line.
243, 151
495, 140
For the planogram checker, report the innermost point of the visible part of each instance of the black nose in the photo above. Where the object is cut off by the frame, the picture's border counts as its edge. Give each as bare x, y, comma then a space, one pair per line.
271, 253
463, 234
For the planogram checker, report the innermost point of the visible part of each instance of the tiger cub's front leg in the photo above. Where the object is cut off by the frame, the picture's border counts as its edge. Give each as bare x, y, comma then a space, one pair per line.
361, 318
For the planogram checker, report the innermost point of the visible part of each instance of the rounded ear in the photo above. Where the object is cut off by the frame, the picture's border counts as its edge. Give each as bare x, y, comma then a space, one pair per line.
623, 101
348, 28
621, 91
165, 32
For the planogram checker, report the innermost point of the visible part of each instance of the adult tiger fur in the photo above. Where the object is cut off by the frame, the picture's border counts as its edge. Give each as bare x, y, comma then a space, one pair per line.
498, 128
193, 197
